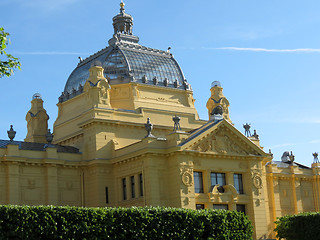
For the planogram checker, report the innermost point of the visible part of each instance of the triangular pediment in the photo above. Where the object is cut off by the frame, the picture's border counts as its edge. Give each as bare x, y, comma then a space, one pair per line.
221, 138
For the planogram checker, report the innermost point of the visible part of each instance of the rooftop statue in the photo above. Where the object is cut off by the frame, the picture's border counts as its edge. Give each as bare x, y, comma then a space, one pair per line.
218, 99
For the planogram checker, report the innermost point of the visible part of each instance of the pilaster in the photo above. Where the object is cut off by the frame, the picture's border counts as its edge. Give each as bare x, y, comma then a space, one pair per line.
52, 185
293, 190
13, 184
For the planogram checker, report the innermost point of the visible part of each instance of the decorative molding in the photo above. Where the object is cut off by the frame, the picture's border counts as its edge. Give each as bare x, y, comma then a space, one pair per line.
31, 183
257, 181
187, 176
162, 99
223, 141
69, 185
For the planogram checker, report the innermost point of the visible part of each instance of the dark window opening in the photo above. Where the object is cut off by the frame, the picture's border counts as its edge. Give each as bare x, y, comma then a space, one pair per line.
107, 195
198, 182
124, 189
238, 183
133, 193
241, 208
220, 206
141, 184
199, 206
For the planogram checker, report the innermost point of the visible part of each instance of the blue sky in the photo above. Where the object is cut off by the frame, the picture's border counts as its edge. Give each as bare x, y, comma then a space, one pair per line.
266, 55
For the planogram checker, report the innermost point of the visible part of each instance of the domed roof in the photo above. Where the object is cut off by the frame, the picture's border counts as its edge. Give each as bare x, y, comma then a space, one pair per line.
124, 61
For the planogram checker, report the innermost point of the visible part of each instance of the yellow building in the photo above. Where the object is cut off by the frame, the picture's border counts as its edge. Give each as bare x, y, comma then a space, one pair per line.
128, 134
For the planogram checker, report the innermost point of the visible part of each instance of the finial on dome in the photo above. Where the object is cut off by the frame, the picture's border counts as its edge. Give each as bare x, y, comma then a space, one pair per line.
11, 133
122, 6
215, 84
36, 96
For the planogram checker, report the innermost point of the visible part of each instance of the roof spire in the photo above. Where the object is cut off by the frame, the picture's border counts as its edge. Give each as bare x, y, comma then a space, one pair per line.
122, 25
122, 7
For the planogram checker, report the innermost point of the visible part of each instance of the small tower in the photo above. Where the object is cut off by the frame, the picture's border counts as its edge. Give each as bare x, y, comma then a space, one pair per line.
122, 25
37, 121
218, 100
123, 22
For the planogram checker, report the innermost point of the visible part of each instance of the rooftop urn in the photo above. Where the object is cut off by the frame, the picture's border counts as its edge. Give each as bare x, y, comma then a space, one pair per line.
11, 133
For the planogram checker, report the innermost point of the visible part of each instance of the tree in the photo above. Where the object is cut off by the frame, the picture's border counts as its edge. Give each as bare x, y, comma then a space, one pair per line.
7, 62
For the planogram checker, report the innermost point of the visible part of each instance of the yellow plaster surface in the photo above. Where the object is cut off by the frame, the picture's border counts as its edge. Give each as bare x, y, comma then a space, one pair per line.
116, 158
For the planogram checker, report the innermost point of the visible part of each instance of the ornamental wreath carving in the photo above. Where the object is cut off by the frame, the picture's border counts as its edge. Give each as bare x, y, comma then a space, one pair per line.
186, 177
257, 181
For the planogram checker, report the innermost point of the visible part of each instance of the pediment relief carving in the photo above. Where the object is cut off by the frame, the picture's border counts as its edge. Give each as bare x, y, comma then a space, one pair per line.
223, 141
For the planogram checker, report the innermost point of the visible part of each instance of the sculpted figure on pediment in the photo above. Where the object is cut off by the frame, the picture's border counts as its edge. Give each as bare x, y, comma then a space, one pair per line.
203, 146
219, 145
233, 147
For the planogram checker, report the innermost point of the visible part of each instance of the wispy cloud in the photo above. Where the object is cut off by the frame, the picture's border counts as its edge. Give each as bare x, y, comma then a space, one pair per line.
44, 5
49, 5
296, 50
282, 145
50, 53
302, 120
315, 141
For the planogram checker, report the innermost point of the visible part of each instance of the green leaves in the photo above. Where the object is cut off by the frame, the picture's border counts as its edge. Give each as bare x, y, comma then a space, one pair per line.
156, 223
7, 62
303, 226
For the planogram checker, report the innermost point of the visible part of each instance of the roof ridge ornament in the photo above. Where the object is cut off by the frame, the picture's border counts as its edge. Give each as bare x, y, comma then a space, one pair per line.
122, 25
122, 4
149, 126
247, 127
291, 158
176, 119
315, 157
11, 133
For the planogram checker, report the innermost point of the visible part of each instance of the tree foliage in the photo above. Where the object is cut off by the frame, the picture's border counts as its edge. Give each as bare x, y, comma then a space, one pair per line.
7, 62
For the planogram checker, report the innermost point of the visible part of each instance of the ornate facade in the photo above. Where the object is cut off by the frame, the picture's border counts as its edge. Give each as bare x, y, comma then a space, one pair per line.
115, 144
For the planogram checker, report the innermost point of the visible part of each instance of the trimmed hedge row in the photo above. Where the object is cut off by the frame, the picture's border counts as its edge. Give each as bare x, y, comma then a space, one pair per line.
49, 222
303, 226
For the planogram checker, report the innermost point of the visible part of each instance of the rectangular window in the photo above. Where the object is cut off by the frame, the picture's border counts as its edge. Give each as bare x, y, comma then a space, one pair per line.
198, 183
199, 206
107, 195
238, 183
124, 189
241, 208
220, 206
141, 184
133, 193
218, 178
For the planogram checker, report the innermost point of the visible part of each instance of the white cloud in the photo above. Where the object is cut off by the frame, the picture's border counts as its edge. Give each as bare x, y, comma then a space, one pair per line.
301, 50
50, 53
49, 4
44, 5
282, 145
297, 120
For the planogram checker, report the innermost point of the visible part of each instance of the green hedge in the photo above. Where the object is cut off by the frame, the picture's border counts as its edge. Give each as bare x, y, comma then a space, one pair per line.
49, 222
303, 226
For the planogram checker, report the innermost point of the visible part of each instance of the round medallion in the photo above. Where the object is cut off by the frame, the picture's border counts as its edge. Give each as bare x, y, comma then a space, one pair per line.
187, 178
257, 181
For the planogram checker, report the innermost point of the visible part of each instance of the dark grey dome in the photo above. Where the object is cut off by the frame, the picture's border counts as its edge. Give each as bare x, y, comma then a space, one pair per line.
127, 61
